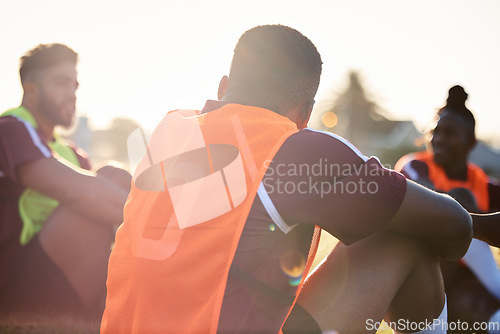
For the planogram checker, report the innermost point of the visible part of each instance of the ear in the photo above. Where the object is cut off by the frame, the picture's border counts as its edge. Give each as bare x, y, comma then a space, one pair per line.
305, 112
222, 87
31, 90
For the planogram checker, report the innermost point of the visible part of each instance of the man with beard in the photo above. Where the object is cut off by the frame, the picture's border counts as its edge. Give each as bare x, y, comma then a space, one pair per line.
57, 216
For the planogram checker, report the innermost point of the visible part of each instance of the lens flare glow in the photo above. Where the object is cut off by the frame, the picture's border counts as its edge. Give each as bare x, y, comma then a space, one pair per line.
329, 119
293, 264
294, 281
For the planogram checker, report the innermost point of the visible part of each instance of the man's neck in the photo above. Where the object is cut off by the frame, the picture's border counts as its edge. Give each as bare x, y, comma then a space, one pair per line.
45, 127
234, 97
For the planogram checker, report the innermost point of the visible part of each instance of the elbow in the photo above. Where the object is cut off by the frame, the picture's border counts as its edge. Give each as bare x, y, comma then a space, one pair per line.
459, 230
463, 227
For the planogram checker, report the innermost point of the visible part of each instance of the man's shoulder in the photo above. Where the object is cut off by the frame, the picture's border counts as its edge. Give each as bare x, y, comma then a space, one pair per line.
12, 126
10, 120
20, 135
309, 141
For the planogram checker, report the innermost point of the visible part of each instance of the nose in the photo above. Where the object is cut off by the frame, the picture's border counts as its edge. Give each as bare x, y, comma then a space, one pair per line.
73, 87
71, 94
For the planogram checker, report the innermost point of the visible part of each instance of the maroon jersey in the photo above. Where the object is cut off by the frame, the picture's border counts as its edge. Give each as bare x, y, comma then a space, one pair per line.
19, 143
316, 178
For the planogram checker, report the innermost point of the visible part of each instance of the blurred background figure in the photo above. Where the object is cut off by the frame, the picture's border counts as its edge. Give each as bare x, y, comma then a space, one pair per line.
57, 216
473, 283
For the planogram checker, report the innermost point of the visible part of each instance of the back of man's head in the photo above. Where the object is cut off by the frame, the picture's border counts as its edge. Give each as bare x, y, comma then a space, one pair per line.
44, 56
275, 67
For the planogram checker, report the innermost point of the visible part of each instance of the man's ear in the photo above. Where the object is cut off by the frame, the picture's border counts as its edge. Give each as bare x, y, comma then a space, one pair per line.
31, 90
222, 87
305, 110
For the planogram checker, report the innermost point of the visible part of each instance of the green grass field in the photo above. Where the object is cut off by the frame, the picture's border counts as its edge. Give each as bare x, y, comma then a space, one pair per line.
64, 324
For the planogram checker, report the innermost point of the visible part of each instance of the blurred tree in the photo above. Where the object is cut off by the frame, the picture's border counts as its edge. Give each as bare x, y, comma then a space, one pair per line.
106, 145
119, 131
356, 117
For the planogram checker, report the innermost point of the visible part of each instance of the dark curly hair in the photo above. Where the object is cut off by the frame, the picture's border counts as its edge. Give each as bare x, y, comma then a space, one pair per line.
44, 56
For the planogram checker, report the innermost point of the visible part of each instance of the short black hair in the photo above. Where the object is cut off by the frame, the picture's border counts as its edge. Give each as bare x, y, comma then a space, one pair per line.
276, 66
455, 104
44, 56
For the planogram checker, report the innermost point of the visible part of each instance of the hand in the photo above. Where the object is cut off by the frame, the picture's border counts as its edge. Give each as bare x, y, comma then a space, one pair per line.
117, 175
487, 227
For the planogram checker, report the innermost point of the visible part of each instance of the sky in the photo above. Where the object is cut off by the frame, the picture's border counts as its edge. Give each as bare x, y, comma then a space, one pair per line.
141, 59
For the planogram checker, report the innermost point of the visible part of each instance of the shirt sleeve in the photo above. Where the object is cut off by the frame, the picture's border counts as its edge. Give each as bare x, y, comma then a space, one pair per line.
19, 143
415, 170
321, 179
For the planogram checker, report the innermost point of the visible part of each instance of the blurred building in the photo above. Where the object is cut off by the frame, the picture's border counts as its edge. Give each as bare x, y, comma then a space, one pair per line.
104, 145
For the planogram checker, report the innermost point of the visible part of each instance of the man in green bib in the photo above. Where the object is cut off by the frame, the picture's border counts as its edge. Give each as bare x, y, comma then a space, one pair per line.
57, 216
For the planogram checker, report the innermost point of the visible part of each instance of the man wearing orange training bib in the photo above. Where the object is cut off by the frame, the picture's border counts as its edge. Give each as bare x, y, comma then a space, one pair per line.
221, 222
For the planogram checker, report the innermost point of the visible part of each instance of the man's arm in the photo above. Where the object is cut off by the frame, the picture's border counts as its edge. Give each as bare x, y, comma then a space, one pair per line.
438, 218
487, 227
88, 194
425, 182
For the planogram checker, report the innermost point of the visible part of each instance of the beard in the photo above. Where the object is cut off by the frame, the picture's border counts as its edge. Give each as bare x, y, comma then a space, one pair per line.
57, 113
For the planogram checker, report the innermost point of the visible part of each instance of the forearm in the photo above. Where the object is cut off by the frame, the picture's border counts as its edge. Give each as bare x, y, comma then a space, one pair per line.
426, 183
98, 199
486, 227
90, 195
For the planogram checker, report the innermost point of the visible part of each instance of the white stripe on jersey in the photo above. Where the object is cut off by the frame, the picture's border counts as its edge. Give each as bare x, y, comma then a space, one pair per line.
410, 171
271, 210
35, 138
